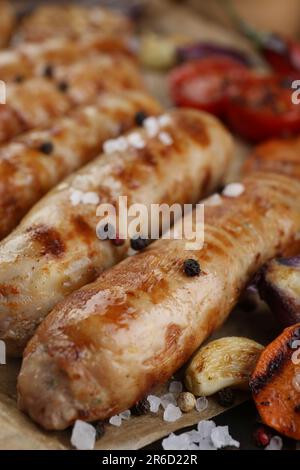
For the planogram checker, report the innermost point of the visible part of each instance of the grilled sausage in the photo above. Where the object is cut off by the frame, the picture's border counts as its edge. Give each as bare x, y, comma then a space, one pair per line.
108, 344
73, 21
55, 249
277, 155
36, 59
35, 162
36, 102
7, 22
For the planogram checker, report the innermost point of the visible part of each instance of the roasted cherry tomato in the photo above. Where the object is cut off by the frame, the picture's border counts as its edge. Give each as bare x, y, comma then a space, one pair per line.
203, 83
259, 108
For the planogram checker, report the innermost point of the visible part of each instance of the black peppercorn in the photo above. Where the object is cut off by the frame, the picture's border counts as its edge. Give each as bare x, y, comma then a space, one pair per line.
191, 267
139, 244
46, 148
226, 397
48, 71
19, 78
63, 86
140, 118
142, 407
100, 429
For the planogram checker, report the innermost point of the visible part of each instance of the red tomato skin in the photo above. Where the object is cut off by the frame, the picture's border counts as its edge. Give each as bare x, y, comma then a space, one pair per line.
212, 74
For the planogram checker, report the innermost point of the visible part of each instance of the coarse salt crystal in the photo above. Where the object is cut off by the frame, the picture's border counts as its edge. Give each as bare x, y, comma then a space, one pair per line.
136, 140
83, 436
201, 404
214, 200
115, 145
109, 146
152, 126
174, 442
79, 197
116, 420
275, 443
175, 387
207, 444
125, 415
165, 138
172, 413
221, 438
205, 427
168, 399
233, 190
75, 197
90, 198
154, 403
164, 120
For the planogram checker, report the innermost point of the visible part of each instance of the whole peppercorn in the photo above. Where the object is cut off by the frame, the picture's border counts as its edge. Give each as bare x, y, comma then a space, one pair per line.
63, 86
100, 429
46, 148
226, 397
140, 118
142, 407
262, 436
186, 401
139, 243
191, 267
48, 71
19, 78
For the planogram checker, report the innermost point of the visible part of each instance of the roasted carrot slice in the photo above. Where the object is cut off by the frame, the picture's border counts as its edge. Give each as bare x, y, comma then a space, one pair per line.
275, 383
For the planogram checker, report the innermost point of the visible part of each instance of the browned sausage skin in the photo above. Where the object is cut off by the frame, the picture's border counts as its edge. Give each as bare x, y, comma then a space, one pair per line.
7, 22
55, 249
108, 344
36, 161
41, 59
52, 21
37, 101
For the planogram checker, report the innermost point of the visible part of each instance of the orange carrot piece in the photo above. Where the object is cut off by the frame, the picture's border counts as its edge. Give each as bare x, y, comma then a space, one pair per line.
275, 383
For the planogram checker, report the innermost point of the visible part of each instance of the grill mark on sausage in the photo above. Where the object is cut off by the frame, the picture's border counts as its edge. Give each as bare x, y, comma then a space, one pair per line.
49, 239
194, 128
82, 228
6, 290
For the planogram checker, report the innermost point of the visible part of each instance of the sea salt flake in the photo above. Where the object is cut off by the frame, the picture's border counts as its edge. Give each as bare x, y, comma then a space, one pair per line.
165, 138
154, 403
201, 404
109, 146
125, 415
135, 140
172, 413
221, 438
206, 444
205, 427
90, 198
75, 197
214, 200
233, 190
83, 436
152, 126
164, 120
173, 442
175, 387
275, 443
116, 420
168, 399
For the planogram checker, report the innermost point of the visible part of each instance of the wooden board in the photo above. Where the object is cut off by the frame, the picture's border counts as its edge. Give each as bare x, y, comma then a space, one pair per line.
17, 431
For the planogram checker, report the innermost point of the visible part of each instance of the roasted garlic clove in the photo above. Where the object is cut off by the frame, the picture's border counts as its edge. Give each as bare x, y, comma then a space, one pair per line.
225, 362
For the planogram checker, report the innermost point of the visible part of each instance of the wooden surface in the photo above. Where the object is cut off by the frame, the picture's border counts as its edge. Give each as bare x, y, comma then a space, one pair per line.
19, 432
